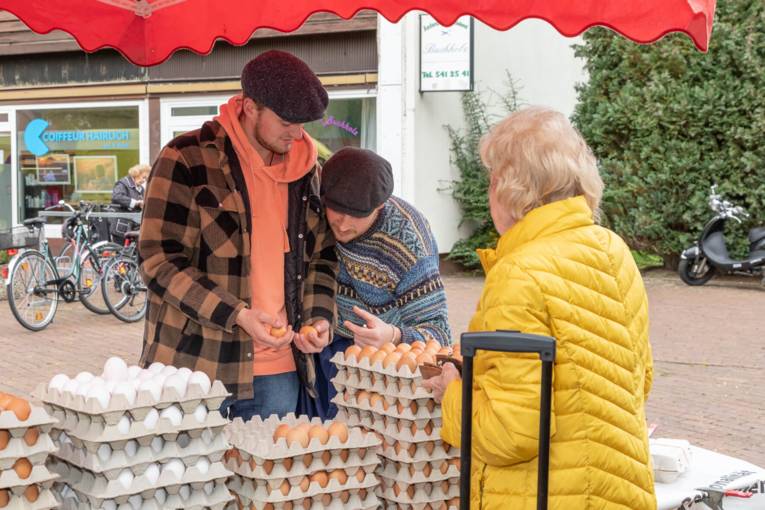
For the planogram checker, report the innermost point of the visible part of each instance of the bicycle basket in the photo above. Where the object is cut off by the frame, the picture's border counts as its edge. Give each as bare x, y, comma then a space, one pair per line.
19, 237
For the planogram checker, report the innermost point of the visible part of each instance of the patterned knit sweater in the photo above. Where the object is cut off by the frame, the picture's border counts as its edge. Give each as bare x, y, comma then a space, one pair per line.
392, 272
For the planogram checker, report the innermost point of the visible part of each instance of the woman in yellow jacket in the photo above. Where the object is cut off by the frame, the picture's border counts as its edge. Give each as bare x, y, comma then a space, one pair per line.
555, 272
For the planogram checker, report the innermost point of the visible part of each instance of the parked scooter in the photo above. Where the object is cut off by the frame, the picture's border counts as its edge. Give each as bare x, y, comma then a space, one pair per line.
709, 255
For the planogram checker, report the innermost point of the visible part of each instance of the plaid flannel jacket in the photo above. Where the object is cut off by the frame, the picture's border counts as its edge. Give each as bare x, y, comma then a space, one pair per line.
194, 247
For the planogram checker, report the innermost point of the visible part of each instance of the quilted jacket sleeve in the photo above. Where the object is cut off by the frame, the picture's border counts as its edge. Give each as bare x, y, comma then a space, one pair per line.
506, 386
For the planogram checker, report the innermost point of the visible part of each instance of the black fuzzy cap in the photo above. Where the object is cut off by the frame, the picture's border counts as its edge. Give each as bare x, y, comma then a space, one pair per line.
285, 84
356, 181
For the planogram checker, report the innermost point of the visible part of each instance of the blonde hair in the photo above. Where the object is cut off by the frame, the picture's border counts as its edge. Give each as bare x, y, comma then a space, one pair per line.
537, 157
137, 170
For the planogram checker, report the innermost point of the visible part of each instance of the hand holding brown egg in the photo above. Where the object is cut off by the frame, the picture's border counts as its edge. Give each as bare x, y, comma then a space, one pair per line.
313, 338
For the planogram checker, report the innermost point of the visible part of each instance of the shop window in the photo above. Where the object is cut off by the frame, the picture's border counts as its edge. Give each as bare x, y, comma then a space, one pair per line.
6, 180
347, 122
73, 154
193, 111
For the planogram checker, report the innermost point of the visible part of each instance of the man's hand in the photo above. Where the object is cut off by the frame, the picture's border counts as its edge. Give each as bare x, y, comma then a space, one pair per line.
439, 383
258, 325
313, 338
139, 204
376, 333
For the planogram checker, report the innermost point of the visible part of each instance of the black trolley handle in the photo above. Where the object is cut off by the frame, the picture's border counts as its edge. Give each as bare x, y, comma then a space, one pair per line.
514, 342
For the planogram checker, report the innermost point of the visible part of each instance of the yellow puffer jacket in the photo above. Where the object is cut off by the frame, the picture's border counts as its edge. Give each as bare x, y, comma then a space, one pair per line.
558, 274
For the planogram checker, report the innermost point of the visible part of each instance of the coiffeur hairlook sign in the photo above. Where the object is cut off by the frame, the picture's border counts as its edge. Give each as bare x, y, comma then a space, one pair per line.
446, 55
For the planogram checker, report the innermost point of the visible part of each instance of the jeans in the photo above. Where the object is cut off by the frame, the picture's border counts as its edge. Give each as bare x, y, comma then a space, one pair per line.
325, 371
274, 394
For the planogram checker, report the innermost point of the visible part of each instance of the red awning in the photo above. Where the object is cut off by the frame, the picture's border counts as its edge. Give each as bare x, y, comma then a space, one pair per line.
147, 32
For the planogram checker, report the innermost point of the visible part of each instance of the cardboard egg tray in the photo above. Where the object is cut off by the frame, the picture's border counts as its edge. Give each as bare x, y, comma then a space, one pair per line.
39, 475
419, 473
417, 453
295, 469
452, 504
45, 501
213, 495
423, 429
364, 369
363, 499
98, 488
418, 495
92, 433
18, 448
144, 402
260, 494
188, 450
17, 428
407, 389
393, 407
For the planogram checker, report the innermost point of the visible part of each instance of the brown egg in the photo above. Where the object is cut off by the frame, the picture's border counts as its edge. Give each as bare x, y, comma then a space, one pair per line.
345, 496
432, 346
267, 506
5, 438
408, 360
326, 499
414, 407
361, 475
339, 430
419, 344
396, 490
307, 504
297, 435
285, 487
321, 478
20, 408
340, 475
410, 491
385, 404
308, 330
30, 436
454, 503
23, 468
400, 407
362, 396
353, 352
431, 405
391, 360
281, 431
278, 332
5, 497
425, 357
288, 463
367, 352
307, 459
389, 347
429, 427
344, 455
378, 357
32, 493
430, 446
305, 483
403, 347
457, 351
375, 399
326, 457
455, 462
427, 469
445, 351
363, 494
236, 456
5, 399
318, 432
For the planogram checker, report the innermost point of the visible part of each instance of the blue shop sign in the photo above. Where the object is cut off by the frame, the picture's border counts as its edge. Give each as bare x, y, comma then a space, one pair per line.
39, 141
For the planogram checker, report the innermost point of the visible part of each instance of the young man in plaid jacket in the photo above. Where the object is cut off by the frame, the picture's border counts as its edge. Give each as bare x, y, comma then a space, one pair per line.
235, 247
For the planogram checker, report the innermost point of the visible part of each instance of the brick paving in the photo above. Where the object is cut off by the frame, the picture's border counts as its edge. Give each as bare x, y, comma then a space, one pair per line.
709, 350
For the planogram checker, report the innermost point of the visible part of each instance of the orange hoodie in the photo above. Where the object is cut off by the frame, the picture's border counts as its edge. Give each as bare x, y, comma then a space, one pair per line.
267, 188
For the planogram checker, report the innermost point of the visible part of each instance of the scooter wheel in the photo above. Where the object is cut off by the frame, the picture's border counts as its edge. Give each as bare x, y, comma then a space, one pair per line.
695, 274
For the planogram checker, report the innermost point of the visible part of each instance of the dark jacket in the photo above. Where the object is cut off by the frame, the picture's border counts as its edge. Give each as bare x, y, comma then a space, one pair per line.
125, 191
195, 257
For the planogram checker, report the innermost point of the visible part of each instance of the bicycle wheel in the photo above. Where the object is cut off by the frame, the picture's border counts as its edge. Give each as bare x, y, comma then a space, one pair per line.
64, 259
91, 271
123, 289
32, 299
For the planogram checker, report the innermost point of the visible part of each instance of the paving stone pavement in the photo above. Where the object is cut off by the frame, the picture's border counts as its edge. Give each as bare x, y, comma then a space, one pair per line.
708, 345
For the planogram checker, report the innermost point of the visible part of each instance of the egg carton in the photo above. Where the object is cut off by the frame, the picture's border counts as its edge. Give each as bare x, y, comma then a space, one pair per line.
398, 388
40, 475
17, 448
255, 437
98, 487
144, 402
295, 476
415, 431
17, 428
45, 500
211, 495
414, 453
364, 368
111, 462
452, 504
252, 467
417, 494
393, 407
429, 472
92, 434
259, 491
363, 499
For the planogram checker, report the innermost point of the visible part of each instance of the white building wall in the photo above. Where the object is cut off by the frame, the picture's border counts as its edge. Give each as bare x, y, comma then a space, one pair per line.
411, 125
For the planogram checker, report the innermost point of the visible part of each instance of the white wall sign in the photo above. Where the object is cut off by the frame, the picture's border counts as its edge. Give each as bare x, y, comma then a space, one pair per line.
446, 55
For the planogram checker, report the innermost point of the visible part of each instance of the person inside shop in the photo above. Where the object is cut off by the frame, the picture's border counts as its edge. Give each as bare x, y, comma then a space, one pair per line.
389, 283
235, 247
555, 272
128, 191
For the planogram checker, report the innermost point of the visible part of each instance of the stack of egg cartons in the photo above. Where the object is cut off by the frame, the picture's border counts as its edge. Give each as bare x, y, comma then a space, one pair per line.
138, 439
25, 444
300, 463
381, 390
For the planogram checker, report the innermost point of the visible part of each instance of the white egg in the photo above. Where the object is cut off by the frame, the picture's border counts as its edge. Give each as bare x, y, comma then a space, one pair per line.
203, 465
152, 473
161, 496
200, 413
84, 377
176, 468
144, 375
185, 373
124, 424
207, 436
169, 370
131, 448
177, 383
110, 385
135, 501
133, 371
152, 387
156, 367
71, 386
209, 488
83, 389
104, 452
200, 379
108, 505
115, 369
152, 417
185, 492
63, 438
157, 444
125, 506
174, 414
127, 390
58, 382
159, 379
100, 394
126, 478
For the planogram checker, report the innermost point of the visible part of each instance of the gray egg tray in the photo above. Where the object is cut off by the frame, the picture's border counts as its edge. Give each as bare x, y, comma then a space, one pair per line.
326, 497
18, 448
45, 501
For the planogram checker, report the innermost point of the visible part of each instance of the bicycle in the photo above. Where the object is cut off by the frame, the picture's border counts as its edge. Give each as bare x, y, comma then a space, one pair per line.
122, 285
35, 283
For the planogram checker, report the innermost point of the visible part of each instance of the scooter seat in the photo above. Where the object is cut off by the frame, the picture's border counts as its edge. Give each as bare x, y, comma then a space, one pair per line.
756, 234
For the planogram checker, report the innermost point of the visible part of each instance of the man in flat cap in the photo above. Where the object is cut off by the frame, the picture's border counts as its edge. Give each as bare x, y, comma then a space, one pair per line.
235, 247
389, 284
